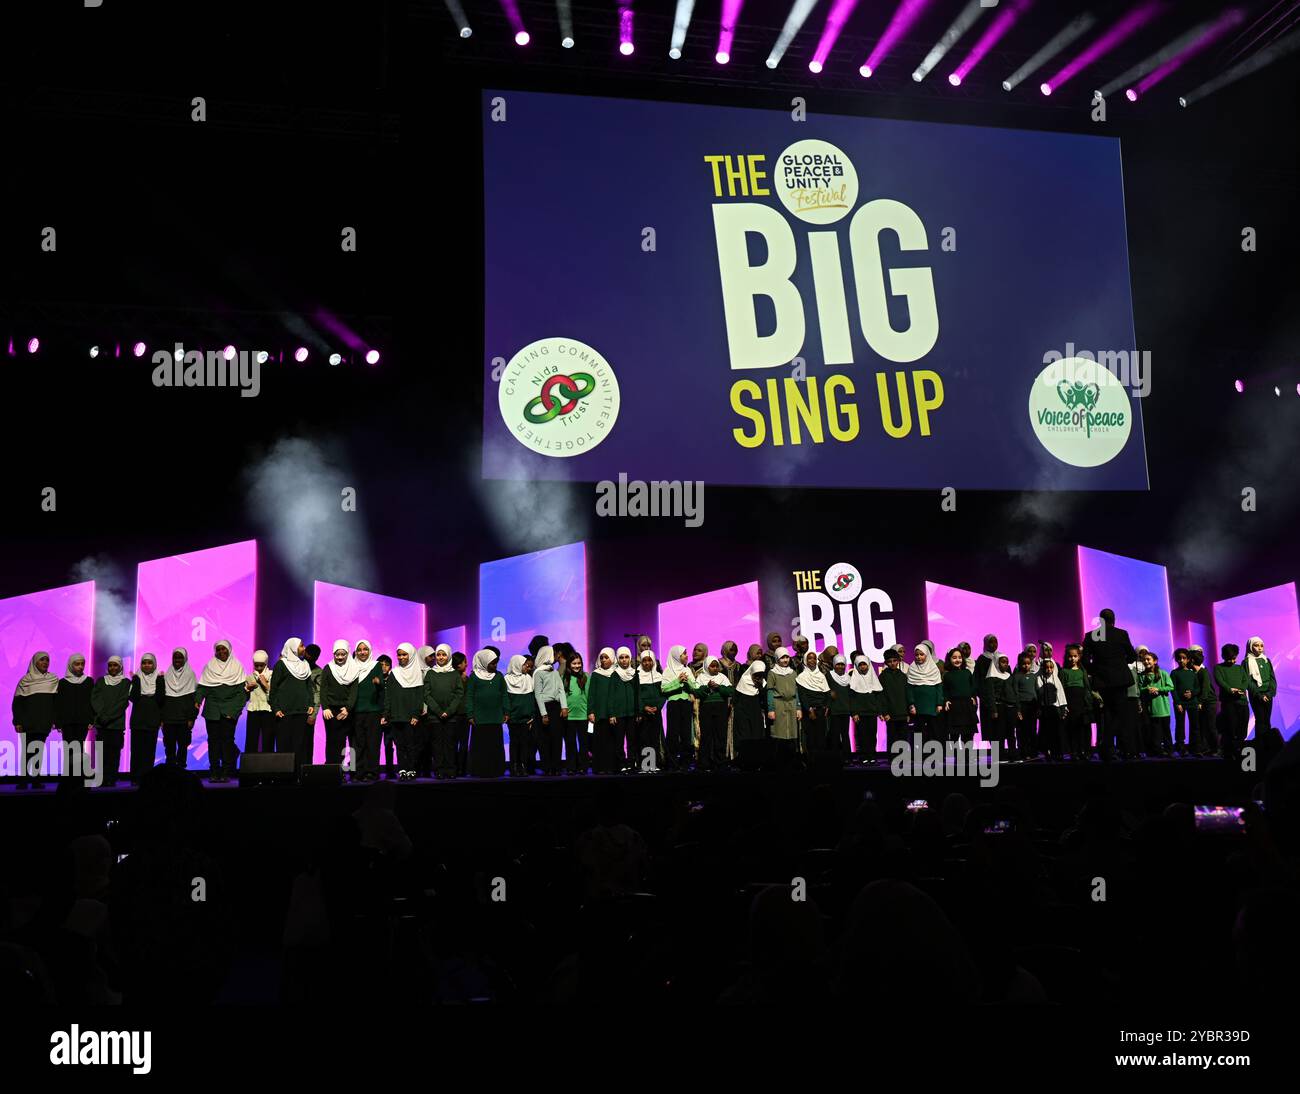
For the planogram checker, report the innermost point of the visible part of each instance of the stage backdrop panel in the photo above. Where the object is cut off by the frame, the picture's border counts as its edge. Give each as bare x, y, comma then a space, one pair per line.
456, 638
192, 600
1198, 634
342, 612
854, 300
1137, 591
712, 618
544, 592
59, 621
956, 615
1272, 615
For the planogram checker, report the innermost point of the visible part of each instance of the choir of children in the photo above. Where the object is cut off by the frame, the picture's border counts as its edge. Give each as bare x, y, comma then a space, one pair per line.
641, 715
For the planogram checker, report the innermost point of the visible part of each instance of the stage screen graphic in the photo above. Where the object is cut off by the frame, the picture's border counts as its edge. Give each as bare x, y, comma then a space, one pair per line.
852, 300
544, 592
1198, 634
342, 612
956, 615
59, 621
1272, 615
192, 600
711, 618
456, 638
1137, 591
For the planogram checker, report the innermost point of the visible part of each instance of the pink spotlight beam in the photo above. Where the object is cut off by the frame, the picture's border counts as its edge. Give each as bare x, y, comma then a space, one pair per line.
905, 15
992, 35
835, 19
511, 9
1222, 25
1127, 26
625, 45
727, 31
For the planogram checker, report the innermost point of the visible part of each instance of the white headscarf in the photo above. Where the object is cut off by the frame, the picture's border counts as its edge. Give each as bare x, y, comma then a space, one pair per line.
448, 666
111, 680
626, 674
863, 682
217, 673
482, 660
347, 672
298, 667
1053, 676
518, 682
706, 677
35, 682
675, 663
995, 671
927, 673
180, 681
652, 675
777, 668
370, 653
545, 659
842, 679
812, 679
609, 671
1252, 662
745, 685
149, 680
410, 675
1139, 666
68, 674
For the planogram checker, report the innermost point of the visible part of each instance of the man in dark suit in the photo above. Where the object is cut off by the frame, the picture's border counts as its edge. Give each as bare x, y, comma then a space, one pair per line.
1107, 654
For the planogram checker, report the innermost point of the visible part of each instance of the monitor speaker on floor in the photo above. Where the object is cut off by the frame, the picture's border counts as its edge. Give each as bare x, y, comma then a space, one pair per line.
266, 769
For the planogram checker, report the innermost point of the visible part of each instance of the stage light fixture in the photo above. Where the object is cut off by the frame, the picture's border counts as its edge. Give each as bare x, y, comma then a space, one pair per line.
1169, 58
865, 72
904, 16
94, 352
1120, 31
372, 357
566, 42
625, 45
816, 66
722, 58
835, 18
335, 358
727, 29
1278, 49
138, 349
681, 24
300, 354
1001, 23
1054, 45
1240, 385
954, 34
794, 21
458, 15
1277, 391
522, 38
954, 79
564, 11
262, 356
33, 344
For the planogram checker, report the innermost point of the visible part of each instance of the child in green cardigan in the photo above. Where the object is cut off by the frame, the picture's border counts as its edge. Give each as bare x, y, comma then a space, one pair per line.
713, 686
678, 687
444, 700
1155, 687
839, 710
890, 704
1261, 684
1185, 698
485, 707
1209, 703
1233, 684
108, 700
521, 709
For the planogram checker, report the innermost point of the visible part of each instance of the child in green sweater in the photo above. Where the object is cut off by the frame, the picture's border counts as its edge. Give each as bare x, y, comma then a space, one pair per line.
1155, 687
1232, 683
1185, 696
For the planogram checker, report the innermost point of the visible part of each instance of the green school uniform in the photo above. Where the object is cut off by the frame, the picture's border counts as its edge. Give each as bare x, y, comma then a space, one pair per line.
444, 693
485, 700
927, 698
109, 702
1228, 676
289, 695
221, 700
370, 689
892, 698
1184, 680
577, 698
1158, 704
1267, 681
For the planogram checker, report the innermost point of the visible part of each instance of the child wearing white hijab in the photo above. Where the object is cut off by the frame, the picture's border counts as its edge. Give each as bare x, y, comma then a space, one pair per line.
293, 702
109, 700
73, 713
604, 706
784, 714
678, 687
222, 695
444, 699
839, 707
485, 706
521, 707
623, 686
869, 703
649, 714
33, 717
1261, 684
814, 701
338, 704
713, 686
404, 708
147, 691
371, 681
750, 701
552, 710
180, 708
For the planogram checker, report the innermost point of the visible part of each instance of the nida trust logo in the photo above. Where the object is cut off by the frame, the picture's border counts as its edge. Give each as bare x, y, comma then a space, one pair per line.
559, 397
1080, 412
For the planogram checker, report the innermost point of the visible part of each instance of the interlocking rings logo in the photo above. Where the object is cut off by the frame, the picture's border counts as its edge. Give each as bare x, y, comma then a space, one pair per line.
559, 397
569, 391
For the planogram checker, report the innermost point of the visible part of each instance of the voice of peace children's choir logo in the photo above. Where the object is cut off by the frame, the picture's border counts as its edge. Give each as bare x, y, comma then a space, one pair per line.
1080, 412
559, 397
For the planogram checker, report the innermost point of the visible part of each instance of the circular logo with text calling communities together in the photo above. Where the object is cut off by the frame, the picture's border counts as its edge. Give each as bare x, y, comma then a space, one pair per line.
1080, 412
843, 581
559, 397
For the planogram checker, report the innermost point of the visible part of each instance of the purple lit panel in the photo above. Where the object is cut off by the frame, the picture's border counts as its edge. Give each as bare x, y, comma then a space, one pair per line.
455, 637
540, 593
712, 618
1272, 615
1137, 591
1198, 634
343, 612
958, 615
59, 621
192, 600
